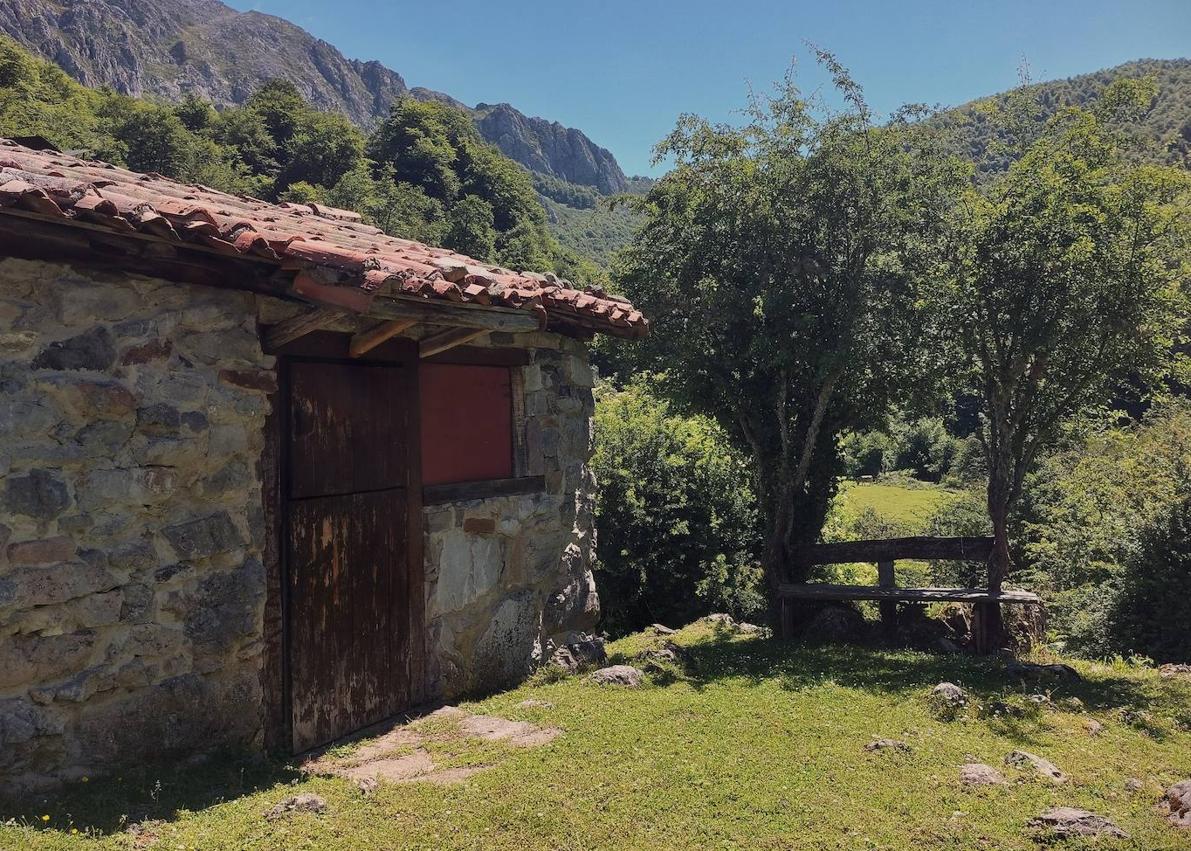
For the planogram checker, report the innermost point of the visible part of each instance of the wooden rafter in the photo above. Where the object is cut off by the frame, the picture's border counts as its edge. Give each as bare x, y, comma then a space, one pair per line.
288, 330
368, 340
448, 340
455, 314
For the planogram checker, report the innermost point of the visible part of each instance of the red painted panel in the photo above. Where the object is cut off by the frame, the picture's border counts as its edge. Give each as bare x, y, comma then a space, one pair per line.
467, 423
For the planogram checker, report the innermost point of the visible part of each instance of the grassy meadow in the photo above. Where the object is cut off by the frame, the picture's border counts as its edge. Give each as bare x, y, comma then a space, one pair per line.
753, 744
903, 504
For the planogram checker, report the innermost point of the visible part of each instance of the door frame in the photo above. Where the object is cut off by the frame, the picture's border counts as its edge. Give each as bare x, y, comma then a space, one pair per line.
329, 347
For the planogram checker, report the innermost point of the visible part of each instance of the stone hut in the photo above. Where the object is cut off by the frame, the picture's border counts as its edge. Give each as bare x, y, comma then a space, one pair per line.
267, 475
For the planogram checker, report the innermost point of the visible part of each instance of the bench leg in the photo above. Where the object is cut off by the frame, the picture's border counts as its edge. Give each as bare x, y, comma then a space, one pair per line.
885, 578
889, 616
988, 629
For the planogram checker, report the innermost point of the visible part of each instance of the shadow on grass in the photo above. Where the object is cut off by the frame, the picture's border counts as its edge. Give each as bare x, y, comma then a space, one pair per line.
150, 793
799, 666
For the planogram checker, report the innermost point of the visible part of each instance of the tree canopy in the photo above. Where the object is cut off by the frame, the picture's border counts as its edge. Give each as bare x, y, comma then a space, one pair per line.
1062, 277
425, 173
784, 258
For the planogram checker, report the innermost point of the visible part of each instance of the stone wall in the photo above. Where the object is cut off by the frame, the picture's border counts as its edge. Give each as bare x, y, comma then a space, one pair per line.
509, 579
131, 585
132, 593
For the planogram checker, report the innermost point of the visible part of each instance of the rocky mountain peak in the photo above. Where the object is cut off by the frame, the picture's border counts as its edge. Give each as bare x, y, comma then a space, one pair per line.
171, 48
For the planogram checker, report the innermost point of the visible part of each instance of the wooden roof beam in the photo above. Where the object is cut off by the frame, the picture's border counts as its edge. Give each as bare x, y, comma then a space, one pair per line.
448, 339
288, 330
368, 340
455, 314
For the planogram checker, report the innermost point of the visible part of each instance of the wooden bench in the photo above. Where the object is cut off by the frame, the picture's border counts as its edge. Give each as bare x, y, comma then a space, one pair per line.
886, 592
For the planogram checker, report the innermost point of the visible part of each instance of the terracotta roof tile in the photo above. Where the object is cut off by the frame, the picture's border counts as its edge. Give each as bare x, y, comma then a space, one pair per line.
299, 236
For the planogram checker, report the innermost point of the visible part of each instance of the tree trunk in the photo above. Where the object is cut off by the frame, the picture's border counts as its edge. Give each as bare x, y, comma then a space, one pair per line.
775, 564
989, 626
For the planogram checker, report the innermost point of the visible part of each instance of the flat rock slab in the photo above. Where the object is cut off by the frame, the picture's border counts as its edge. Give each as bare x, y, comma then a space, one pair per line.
949, 693
303, 802
979, 774
619, 675
520, 734
895, 745
1170, 671
399, 755
393, 768
1178, 804
1029, 670
1044, 768
1068, 822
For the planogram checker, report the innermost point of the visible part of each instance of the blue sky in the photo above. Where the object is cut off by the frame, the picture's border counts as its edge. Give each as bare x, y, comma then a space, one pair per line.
623, 70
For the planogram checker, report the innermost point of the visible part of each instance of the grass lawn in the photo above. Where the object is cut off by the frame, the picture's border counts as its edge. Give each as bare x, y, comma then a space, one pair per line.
908, 505
758, 745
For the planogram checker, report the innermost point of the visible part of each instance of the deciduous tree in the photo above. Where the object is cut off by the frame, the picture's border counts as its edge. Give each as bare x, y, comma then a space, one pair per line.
1063, 278
781, 262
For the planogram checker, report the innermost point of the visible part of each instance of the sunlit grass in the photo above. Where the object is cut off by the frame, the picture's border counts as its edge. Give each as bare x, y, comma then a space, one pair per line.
759, 745
907, 505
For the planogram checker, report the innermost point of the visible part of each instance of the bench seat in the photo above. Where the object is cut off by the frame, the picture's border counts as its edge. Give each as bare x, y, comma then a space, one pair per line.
826, 591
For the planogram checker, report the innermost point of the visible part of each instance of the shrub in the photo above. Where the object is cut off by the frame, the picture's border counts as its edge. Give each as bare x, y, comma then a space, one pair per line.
868, 453
926, 449
676, 515
1085, 512
965, 515
1152, 613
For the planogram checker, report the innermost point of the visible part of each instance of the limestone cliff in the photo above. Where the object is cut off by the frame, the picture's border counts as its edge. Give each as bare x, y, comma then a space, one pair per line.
169, 48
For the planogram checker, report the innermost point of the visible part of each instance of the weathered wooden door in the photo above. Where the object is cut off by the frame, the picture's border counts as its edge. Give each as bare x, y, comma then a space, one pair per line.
351, 604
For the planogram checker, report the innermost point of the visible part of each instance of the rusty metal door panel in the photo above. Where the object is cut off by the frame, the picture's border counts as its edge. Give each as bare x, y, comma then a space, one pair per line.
347, 428
349, 647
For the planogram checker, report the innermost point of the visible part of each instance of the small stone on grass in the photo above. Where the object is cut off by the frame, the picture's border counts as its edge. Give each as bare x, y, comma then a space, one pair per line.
887, 745
1069, 822
619, 675
1044, 768
1172, 670
1178, 804
979, 774
535, 703
304, 801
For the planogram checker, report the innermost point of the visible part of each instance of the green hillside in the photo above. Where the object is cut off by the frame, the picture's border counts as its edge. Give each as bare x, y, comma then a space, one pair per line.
1165, 131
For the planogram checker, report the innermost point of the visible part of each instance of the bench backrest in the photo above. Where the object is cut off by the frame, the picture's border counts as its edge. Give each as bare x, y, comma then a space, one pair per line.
892, 549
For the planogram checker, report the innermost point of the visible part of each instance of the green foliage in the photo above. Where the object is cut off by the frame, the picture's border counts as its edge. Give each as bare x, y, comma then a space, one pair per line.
964, 515
394, 207
676, 515
781, 256
320, 150
868, 453
423, 174
1062, 280
1151, 614
436, 149
570, 194
281, 108
597, 232
1085, 513
923, 448
472, 230
1162, 134
38, 99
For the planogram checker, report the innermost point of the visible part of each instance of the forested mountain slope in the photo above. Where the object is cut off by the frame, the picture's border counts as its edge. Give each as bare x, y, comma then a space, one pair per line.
172, 48
1165, 130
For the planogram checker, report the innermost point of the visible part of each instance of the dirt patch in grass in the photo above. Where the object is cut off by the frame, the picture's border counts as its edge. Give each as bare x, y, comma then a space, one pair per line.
400, 754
